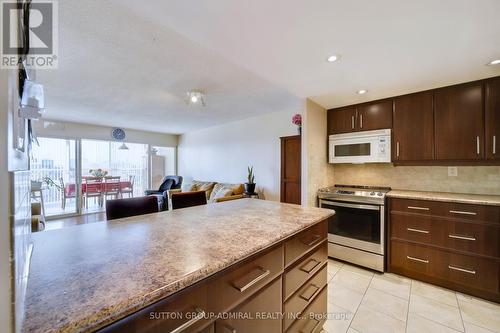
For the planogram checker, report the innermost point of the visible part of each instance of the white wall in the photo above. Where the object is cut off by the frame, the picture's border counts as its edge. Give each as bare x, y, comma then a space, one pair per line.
76, 130
222, 153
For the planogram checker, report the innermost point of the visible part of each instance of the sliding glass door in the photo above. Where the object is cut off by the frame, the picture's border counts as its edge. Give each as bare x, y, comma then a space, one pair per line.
53, 176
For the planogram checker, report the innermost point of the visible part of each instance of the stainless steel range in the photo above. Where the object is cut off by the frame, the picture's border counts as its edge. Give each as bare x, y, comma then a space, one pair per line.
356, 232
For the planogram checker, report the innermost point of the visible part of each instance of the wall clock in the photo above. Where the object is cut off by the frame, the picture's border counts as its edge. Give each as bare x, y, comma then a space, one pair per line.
118, 134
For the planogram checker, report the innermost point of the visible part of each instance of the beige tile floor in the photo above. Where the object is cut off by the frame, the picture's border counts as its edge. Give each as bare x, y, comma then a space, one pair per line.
362, 301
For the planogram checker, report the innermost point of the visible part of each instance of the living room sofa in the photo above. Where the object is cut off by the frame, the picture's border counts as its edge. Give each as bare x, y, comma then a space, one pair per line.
215, 192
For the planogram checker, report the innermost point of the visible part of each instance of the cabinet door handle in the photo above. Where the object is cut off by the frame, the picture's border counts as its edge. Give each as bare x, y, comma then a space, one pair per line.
200, 314
309, 268
313, 329
418, 259
361, 121
418, 208
397, 149
461, 269
478, 147
252, 278
494, 144
418, 230
462, 237
352, 122
309, 292
229, 328
460, 212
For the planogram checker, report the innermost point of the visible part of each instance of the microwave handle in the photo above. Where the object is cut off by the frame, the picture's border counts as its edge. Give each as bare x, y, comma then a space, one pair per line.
349, 205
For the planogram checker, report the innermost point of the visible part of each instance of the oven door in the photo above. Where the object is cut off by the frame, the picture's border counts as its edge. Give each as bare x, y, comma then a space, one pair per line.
359, 226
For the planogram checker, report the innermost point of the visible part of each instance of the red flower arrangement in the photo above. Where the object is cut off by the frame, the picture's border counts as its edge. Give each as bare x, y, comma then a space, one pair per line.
297, 119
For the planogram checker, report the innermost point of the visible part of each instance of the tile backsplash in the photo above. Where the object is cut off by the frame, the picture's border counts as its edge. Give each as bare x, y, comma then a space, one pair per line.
470, 179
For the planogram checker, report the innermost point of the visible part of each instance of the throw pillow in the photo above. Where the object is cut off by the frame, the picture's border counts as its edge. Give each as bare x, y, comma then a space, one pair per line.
222, 193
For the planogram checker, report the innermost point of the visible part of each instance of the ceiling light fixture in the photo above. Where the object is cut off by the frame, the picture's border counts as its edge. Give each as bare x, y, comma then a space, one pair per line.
123, 147
494, 62
362, 92
194, 97
333, 58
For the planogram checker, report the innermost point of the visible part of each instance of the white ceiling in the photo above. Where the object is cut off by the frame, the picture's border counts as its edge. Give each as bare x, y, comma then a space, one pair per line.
129, 63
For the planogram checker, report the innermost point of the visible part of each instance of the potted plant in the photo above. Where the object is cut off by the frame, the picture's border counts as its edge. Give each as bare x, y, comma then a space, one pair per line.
99, 173
250, 185
297, 120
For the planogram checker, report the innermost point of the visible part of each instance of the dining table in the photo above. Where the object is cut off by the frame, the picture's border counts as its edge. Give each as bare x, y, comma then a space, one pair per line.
70, 188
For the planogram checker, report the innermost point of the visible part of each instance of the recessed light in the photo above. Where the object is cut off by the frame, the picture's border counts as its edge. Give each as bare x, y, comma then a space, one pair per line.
362, 92
194, 99
494, 62
333, 58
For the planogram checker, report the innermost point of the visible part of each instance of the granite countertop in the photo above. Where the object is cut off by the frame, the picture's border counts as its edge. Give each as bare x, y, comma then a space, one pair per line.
478, 199
85, 277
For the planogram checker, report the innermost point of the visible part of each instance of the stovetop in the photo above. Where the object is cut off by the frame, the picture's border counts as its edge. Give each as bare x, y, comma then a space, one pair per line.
355, 193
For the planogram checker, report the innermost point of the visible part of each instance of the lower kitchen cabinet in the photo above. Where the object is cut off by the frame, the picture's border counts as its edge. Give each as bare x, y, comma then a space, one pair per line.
449, 244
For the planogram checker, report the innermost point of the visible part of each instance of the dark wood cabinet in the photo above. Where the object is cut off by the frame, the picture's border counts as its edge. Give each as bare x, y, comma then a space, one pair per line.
375, 115
413, 134
453, 245
291, 169
459, 122
492, 88
342, 120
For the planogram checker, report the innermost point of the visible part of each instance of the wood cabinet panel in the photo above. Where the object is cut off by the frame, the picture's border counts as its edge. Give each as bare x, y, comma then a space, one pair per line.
413, 127
295, 277
304, 241
375, 115
342, 120
493, 118
459, 122
256, 314
291, 169
315, 316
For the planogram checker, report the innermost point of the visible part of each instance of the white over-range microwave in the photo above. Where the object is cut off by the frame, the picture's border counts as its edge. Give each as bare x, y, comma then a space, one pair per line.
360, 147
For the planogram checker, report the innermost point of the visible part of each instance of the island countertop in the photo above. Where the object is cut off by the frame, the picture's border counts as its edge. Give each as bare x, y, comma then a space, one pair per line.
85, 277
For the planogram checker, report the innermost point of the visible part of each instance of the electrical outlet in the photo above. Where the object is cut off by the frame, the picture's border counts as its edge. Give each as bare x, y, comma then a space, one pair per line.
452, 171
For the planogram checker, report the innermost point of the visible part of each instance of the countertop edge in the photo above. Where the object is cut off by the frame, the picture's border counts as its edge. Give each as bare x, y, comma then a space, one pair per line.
467, 198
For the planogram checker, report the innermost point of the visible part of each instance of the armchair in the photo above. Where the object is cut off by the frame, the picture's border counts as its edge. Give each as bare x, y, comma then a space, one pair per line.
167, 183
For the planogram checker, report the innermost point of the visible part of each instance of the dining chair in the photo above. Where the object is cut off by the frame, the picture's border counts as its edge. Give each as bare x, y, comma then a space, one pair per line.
92, 188
129, 189
112, 187
66, 192
120, 208
188, 199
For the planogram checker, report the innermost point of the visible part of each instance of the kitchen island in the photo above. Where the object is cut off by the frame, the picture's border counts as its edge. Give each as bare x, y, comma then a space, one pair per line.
84, 278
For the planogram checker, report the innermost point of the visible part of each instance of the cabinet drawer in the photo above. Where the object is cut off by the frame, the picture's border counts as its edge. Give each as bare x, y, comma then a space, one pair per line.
303, 297
188, 310
469, 271
239, 283
257, 314
305, 269
488, 214
304, 241
416, 206
457, 235
313, 317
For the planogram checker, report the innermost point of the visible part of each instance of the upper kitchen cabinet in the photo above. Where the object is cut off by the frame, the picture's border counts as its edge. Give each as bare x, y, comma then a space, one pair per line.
492, 118
375, 115
342, 120
459, 122
413, 128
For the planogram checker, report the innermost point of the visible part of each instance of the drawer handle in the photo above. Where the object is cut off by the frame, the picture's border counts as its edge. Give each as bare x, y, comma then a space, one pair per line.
418, 259
418, 230
200, 314
303, 329
418, 208
462, 212
307, 294
255, 276
229, 328
462, 237
308, 268
314, 240
461, 269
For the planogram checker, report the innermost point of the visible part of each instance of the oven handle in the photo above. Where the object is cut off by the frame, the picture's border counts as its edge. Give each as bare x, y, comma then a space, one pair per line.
348, 205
